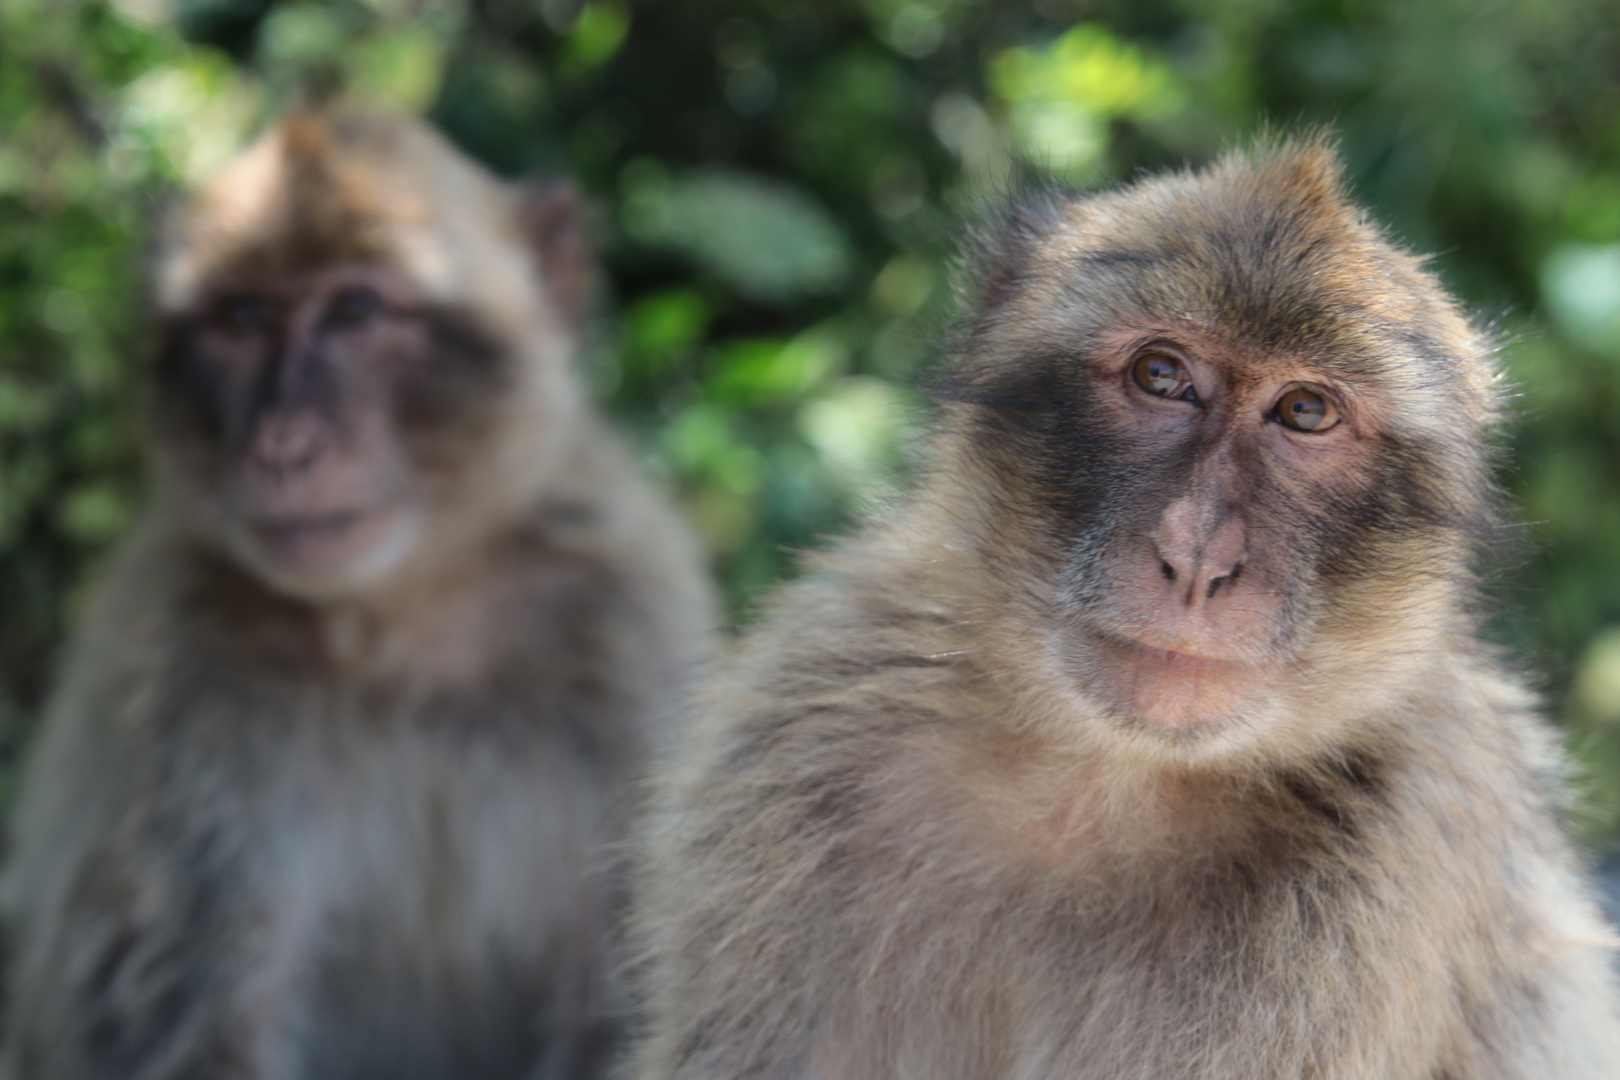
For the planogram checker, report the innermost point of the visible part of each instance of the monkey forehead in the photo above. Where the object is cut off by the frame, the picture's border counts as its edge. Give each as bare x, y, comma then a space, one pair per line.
351, 187
1267, 254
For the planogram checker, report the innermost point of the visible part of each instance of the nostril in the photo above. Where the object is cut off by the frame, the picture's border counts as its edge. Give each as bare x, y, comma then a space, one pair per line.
1224, 579
1167, 570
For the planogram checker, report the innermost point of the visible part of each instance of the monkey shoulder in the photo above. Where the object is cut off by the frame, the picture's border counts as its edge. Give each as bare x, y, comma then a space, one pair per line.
191, 683
817, 729
603, 526
857, 797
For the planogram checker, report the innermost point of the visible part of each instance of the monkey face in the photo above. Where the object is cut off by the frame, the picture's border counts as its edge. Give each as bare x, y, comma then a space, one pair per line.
363, 353
1196, 570
1231, 442
321, 416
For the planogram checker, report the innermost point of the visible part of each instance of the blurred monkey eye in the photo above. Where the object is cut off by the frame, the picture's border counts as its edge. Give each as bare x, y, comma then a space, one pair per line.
353, 306
1162, 375
1305, 410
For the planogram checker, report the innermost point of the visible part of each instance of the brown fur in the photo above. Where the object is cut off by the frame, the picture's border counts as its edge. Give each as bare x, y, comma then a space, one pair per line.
308, 828
912, 833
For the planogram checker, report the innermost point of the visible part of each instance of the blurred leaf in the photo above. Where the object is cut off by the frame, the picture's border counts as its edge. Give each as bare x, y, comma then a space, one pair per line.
599, 30
1581, 283
856, 430
765, 372
400, 67
903, 286
660, 328
302, 34
1597, 679
95, 514
767, 240
1063, 96
187, 117
916, 29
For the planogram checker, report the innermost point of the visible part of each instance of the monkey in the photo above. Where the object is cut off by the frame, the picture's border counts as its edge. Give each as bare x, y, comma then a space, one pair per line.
1153, 732
333, 778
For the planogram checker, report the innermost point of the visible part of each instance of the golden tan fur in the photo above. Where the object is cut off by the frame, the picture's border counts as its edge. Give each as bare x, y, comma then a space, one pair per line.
282, 826
911, 833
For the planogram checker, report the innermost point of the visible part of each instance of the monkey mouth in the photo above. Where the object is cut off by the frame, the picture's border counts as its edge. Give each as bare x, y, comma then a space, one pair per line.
331, 545
1152, 662
1174, 658
1176, 689
300, 528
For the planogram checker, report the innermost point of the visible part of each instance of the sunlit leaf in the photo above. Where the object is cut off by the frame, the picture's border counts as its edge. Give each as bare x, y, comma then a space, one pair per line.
662, 326
768, 371
1581, 284
1061, 97
400, 67
598, 32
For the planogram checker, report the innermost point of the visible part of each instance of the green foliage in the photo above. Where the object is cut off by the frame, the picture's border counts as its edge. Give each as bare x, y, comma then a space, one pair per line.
765, 242
770, 179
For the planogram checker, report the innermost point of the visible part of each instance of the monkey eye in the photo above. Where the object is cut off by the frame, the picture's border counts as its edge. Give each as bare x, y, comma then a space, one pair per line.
1303, 409
1162, 375
353, 306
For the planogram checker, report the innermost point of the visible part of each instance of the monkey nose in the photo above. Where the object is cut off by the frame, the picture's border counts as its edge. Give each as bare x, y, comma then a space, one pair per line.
286, 443
1194, 560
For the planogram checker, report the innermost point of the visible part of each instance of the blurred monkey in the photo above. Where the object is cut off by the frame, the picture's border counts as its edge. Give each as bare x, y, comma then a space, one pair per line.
1154, 736
325, 787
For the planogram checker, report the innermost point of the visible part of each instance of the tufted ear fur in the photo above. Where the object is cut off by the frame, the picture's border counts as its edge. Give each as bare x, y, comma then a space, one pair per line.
1306, 171
1002, 244
550, 216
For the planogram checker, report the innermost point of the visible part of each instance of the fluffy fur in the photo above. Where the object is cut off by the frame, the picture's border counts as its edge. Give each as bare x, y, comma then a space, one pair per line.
272, 831
908, 835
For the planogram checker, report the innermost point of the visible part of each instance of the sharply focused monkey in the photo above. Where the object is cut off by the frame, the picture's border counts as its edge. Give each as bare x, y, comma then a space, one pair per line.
326, 786
1154, 735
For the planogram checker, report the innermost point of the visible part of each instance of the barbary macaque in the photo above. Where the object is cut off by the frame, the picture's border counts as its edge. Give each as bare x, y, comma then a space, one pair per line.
1153, 735
330, 784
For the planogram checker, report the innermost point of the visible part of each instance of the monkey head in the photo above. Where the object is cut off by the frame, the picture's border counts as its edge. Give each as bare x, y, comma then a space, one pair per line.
1230, 448
364, 351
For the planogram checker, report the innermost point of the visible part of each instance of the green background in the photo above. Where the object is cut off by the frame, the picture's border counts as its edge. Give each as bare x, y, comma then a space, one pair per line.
771, 186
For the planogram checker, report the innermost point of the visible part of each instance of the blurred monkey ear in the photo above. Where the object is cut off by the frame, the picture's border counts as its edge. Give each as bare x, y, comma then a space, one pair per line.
1004, 240
551, 217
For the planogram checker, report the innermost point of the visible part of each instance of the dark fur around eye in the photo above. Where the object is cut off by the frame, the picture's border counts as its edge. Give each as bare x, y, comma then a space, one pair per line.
243, 313
189, 389
466, 373
354, 305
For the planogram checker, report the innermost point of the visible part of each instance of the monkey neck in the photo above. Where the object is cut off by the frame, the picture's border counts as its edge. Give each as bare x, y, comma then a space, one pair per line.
438, 632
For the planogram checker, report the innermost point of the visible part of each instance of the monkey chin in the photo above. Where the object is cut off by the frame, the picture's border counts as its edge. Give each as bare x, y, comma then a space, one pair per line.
325, 555
1180, 692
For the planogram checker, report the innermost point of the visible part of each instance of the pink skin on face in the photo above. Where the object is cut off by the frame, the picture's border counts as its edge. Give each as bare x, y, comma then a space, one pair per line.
318, 492
1188, 631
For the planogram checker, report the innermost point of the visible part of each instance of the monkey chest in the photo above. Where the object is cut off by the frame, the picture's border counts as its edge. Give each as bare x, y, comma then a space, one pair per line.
453, 910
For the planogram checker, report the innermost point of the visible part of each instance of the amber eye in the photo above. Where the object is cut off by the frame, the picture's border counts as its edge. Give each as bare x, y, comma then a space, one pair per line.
1162, 375
1305, 410
353, 306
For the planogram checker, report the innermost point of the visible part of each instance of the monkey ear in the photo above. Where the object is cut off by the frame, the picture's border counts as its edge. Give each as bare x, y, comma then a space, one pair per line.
1005, 238
552, 219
